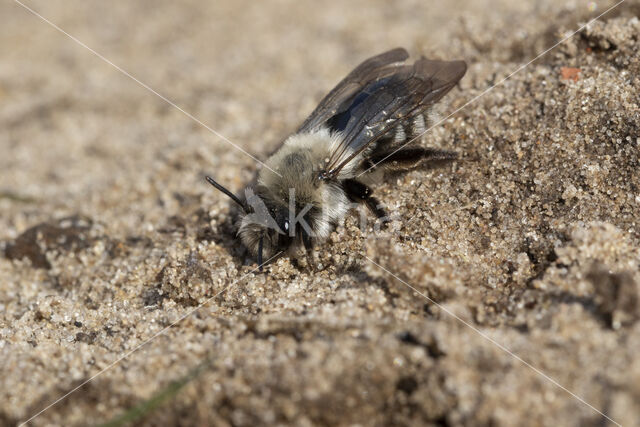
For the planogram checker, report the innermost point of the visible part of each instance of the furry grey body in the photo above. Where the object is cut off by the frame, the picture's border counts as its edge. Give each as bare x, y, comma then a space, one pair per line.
297, 165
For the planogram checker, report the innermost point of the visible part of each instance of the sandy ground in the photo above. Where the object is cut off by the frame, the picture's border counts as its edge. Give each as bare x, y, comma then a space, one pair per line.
109, 232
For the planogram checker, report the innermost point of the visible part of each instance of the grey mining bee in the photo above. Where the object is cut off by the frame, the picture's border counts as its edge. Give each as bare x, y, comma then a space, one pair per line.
360, 128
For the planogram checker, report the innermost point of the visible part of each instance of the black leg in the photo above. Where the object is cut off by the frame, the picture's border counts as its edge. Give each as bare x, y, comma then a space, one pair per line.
306, 239
361, 193
308, 248
410, 158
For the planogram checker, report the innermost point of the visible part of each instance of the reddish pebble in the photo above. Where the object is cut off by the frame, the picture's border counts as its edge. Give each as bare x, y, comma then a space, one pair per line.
570, 73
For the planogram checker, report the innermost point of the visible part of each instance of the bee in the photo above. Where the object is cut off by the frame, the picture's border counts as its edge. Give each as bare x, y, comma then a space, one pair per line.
366, 125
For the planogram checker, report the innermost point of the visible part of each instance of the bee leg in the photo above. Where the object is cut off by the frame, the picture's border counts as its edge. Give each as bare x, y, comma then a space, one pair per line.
411, 158
361, 193
308, 249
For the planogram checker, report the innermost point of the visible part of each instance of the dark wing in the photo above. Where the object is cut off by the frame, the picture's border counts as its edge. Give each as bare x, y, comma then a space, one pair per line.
387, 101
341, 97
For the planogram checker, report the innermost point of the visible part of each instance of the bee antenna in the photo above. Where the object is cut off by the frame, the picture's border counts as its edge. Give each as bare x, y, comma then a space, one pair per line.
260, 243
228, 193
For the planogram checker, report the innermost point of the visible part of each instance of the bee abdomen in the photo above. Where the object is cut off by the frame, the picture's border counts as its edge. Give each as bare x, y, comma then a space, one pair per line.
409, 129
417, 125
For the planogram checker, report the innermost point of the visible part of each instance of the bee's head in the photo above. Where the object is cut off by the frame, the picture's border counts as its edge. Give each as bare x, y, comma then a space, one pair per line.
265, 232
264, 226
